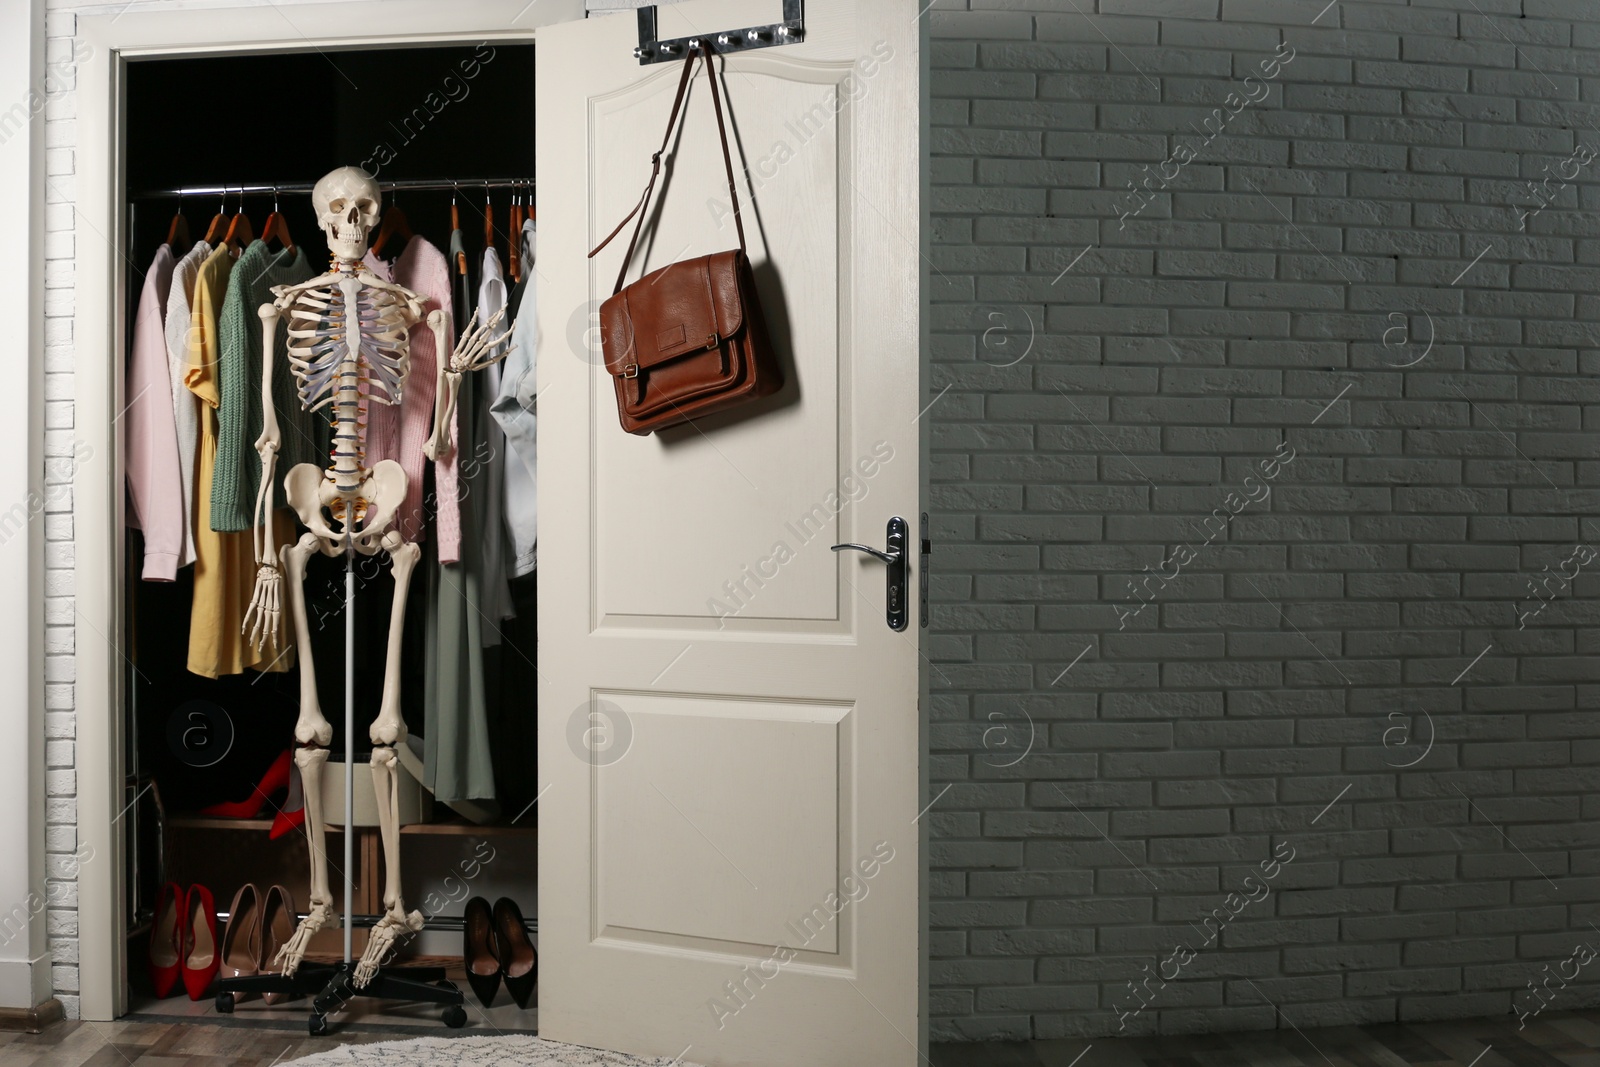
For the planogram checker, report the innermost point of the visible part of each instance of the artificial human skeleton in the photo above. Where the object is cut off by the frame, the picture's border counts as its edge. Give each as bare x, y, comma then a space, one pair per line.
347, 329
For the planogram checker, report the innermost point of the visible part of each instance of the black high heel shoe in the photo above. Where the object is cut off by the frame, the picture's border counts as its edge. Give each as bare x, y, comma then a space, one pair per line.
480, 953
519, 962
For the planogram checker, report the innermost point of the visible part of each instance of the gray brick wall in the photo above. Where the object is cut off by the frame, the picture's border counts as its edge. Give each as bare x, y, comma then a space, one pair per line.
1275, 740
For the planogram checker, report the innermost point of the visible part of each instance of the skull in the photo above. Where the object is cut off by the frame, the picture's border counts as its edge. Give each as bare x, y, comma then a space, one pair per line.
347, 202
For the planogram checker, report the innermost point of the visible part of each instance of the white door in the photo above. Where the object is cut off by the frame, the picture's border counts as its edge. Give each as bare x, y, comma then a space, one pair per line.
729, 731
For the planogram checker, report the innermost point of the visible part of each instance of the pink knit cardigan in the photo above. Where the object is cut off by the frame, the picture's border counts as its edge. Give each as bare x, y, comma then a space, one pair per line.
399, 433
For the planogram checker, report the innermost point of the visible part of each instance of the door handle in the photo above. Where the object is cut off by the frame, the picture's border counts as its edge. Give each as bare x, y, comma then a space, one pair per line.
893, 556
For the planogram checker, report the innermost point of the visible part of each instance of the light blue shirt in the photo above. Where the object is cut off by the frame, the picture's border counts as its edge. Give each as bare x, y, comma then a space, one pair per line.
515, 409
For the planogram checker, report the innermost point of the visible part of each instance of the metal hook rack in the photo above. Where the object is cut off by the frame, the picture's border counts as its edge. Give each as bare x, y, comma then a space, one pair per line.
792, 30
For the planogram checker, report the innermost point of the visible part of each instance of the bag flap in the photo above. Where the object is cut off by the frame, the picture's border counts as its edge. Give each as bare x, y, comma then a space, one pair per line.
678, 310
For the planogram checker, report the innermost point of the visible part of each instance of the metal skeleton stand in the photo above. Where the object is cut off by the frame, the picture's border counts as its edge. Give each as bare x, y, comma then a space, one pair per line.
330, 983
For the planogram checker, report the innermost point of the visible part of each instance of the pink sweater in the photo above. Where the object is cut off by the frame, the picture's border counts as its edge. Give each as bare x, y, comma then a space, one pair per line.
399, 433
155, 478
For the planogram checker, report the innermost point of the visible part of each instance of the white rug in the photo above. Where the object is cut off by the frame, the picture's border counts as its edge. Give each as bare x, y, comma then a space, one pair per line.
516, 1050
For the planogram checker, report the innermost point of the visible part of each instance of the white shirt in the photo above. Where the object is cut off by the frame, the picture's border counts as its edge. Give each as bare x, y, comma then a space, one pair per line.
185, 405
515, 409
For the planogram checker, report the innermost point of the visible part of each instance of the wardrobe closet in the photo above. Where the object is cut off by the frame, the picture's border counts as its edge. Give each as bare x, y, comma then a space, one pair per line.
449, 134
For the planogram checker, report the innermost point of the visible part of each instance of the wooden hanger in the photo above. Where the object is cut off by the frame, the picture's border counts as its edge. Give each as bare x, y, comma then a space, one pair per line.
240, 232
455, 224
276, 226
514, 262
394, 221
219, 221
178, 231
488, 218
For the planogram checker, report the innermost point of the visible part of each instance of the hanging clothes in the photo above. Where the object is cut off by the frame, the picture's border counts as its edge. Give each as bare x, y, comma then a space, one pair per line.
461, 305
155, 487
185, 406
304, 437
530, 243
514, 410
422, 268
225, 566
457, 756
457, 760
497, 605
382, 440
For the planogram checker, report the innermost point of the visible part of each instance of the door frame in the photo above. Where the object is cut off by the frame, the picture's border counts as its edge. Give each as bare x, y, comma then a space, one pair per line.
101, 309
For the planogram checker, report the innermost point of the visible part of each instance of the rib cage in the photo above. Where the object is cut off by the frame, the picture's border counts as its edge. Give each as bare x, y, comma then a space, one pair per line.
318, 343
330, 366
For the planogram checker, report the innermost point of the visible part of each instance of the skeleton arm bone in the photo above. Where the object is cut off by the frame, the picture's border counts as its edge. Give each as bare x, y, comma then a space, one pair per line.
444, 394
264, 615
475, 351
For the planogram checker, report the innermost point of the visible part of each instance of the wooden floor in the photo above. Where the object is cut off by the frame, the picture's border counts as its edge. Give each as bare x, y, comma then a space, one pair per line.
259, 1040
178, 1032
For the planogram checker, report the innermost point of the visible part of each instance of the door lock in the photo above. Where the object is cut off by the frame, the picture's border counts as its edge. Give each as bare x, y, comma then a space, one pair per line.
893, 555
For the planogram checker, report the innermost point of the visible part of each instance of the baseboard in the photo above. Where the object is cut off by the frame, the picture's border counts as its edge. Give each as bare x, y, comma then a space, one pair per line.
30, 1020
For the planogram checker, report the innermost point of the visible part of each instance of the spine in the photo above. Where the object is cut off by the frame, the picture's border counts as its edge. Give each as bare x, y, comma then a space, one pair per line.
349, 441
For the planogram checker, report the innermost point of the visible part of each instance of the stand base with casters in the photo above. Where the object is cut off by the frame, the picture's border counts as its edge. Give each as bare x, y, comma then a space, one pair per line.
332, 989
310, 979
425, 984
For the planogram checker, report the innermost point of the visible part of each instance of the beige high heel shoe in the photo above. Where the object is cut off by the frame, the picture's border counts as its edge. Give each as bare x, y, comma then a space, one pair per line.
277, 927
241, 941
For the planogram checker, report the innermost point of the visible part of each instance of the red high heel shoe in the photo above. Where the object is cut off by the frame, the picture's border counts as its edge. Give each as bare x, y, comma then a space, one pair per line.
292, 815
276, 779
200, 957
166, 940
286, 822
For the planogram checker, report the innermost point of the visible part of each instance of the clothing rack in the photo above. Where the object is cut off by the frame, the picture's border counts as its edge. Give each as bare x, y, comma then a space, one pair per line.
258, 188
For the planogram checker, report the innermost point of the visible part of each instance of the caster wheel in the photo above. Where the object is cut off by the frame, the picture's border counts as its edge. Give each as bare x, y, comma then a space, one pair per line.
317, 1025
455, 1016
225, 1003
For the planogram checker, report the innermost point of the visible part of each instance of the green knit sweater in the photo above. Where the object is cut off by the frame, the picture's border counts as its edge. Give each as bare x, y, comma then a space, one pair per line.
305, 437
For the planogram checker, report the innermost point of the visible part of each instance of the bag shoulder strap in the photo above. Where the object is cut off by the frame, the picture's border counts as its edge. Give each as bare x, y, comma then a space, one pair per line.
655, 165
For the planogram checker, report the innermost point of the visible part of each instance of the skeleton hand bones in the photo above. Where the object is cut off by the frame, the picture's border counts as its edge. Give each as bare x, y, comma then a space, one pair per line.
476, 351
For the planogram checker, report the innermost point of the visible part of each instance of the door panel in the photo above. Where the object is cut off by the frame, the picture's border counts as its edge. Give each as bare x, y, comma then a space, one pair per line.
730, 738
665, 844
779, 459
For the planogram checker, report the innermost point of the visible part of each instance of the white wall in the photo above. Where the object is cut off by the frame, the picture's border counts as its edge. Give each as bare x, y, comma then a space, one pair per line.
24, 975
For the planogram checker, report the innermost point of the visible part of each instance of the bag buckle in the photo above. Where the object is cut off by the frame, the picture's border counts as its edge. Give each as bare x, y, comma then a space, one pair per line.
630, 370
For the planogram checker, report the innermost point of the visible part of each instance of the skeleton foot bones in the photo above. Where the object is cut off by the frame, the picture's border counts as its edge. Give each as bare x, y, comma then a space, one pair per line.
384, 938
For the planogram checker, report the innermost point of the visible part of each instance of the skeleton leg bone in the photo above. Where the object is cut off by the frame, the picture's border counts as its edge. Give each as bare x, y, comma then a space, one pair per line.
396, 922
320, 910
313, 732
387, 731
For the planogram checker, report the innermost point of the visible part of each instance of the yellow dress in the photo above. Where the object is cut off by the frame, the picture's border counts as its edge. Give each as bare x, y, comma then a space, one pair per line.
224, 565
